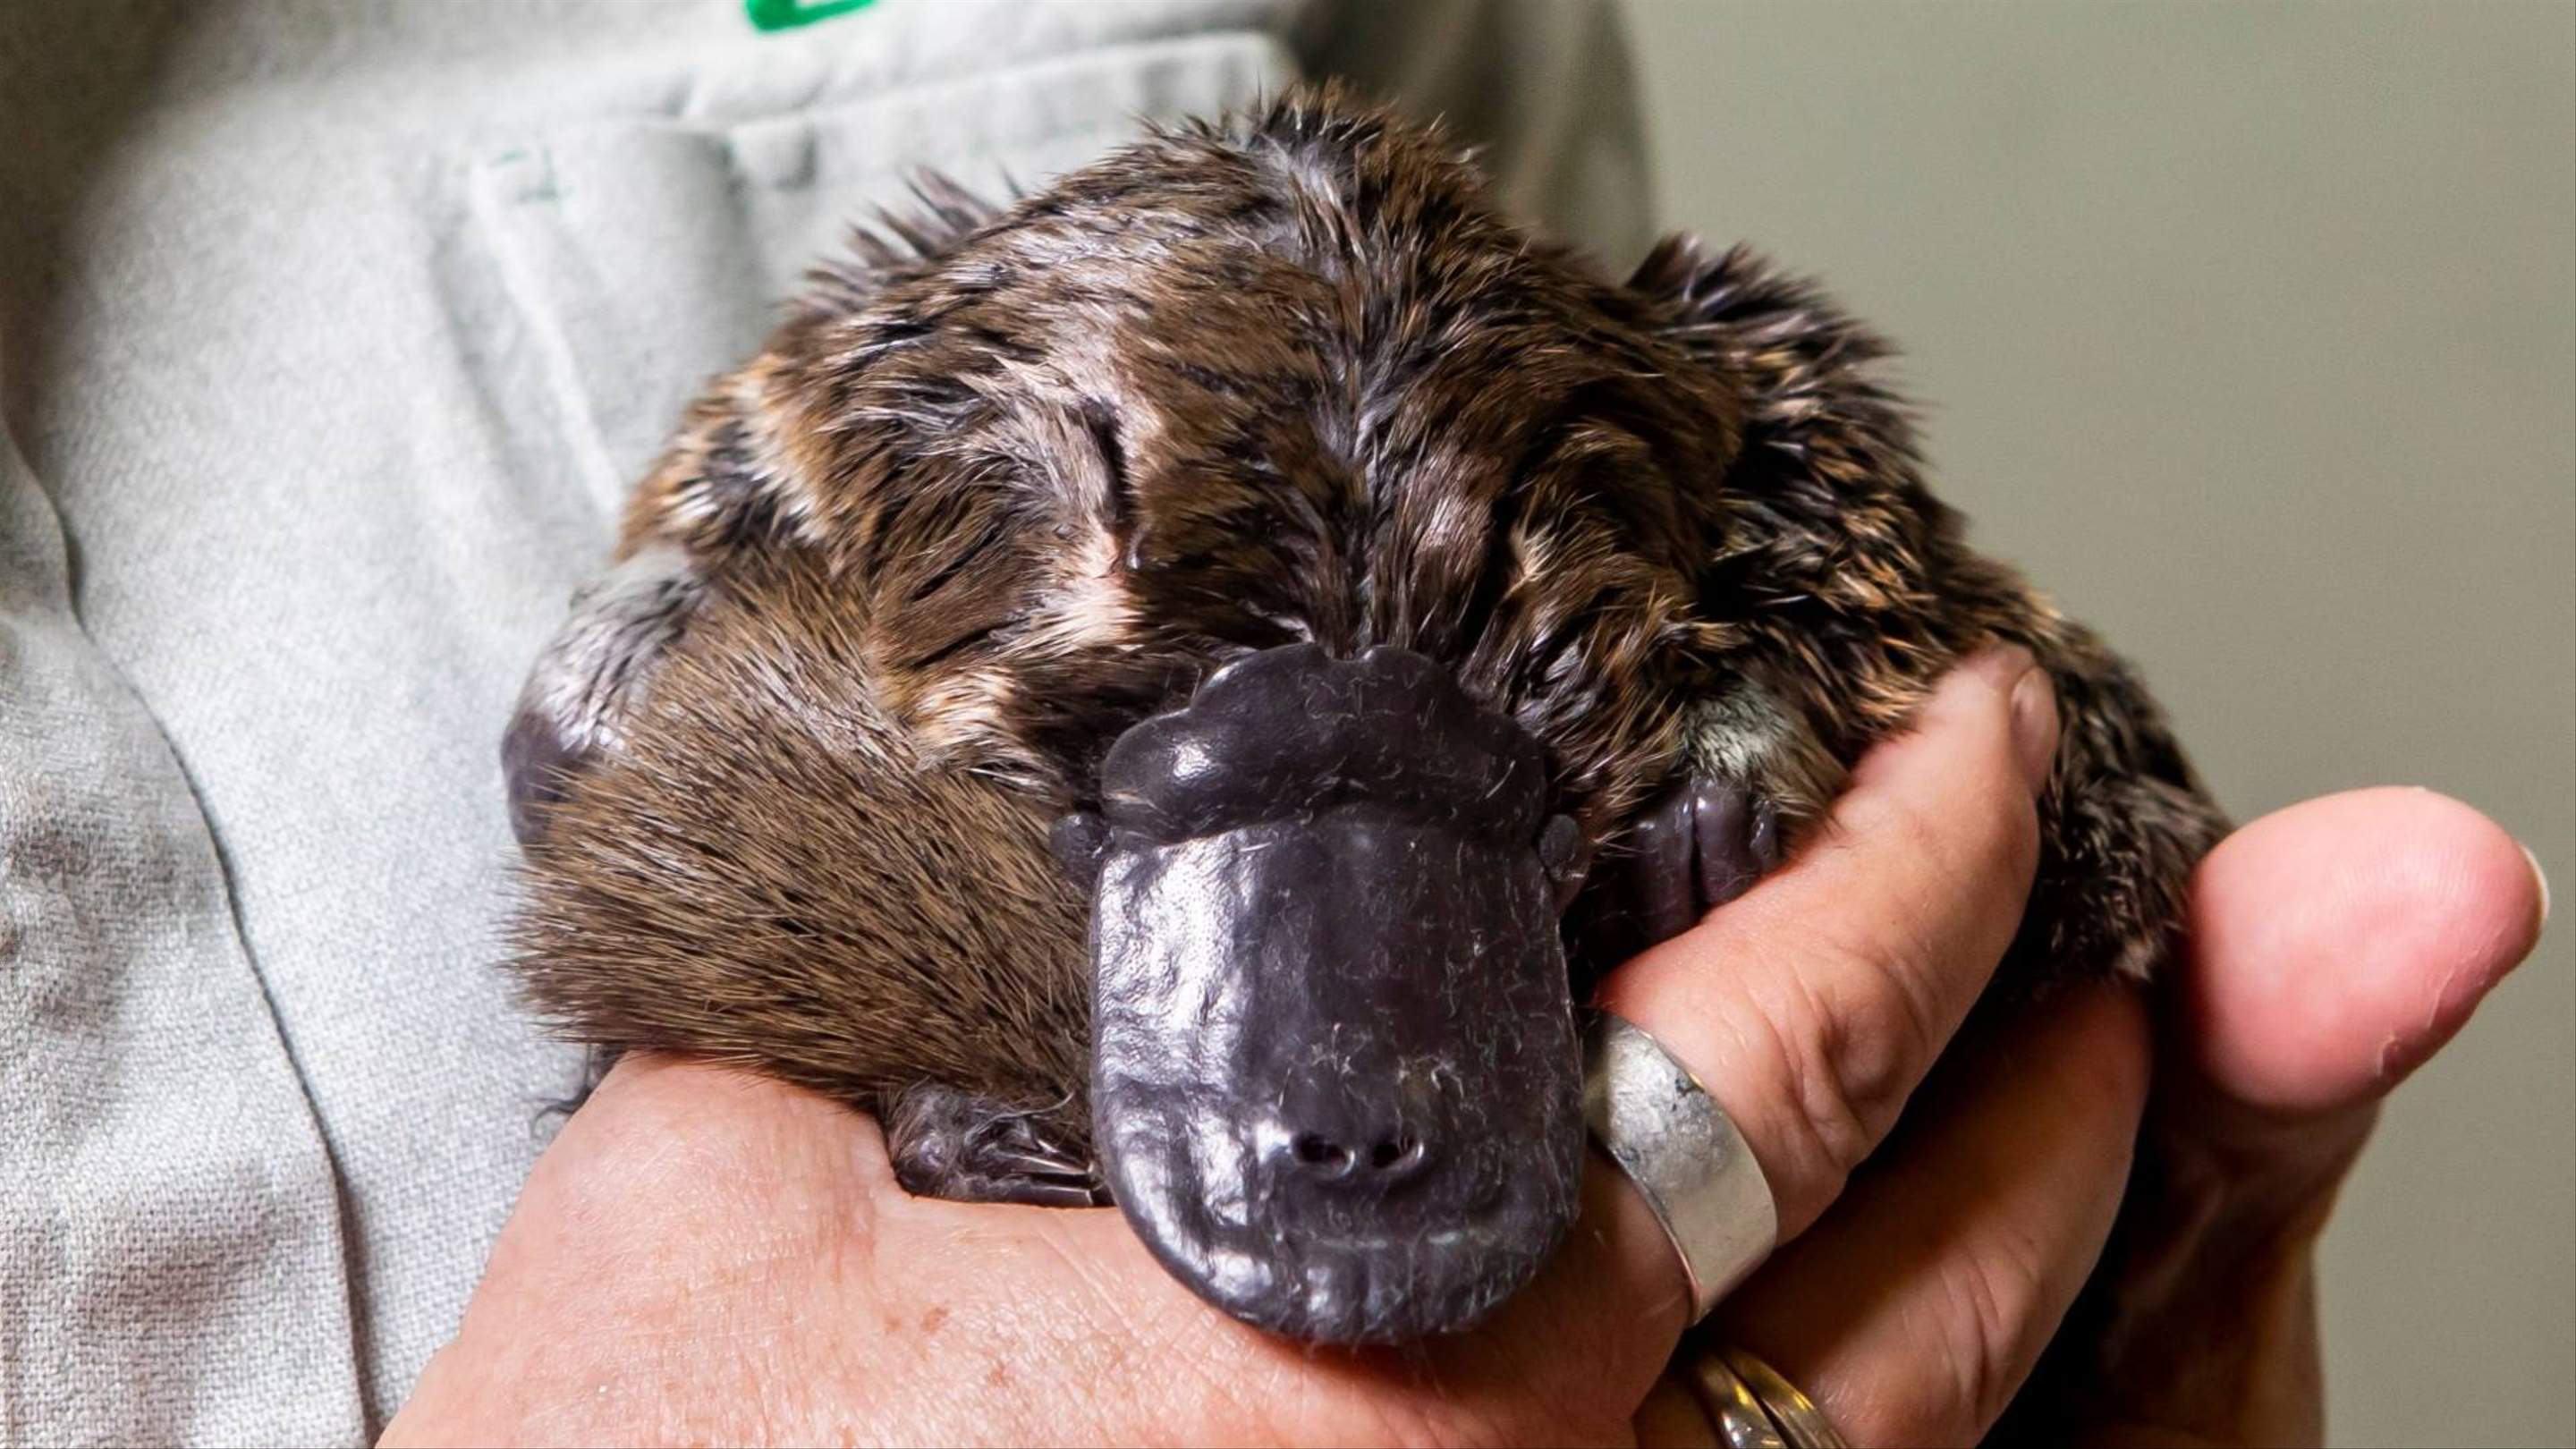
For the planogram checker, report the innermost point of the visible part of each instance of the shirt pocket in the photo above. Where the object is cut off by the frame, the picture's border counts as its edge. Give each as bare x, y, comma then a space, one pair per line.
645, 255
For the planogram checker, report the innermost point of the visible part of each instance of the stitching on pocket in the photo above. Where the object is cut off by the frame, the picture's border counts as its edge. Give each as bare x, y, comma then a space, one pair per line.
527, 292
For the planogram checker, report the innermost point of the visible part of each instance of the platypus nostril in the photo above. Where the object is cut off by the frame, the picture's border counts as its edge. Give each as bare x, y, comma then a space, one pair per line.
1388, 1155
1399, 1151
1322, 1154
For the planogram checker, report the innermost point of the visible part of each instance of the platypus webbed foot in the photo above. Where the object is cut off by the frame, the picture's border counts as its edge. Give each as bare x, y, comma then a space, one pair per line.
955, 1145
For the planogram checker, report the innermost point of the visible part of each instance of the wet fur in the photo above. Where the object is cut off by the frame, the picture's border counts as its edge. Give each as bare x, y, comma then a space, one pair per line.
1007, 481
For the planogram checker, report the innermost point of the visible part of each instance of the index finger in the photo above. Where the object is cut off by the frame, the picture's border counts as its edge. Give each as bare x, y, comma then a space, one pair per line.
1811, 1005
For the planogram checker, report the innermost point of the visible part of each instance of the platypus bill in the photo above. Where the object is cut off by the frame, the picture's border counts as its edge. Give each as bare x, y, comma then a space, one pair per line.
1169, 692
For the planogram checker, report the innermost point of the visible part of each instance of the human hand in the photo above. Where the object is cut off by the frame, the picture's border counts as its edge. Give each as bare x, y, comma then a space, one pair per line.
2333, 947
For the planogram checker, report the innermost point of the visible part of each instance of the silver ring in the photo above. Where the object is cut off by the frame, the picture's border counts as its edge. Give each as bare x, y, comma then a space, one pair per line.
1684, 1153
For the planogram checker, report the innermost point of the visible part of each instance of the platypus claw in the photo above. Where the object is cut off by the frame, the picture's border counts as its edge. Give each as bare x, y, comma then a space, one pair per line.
951, 1144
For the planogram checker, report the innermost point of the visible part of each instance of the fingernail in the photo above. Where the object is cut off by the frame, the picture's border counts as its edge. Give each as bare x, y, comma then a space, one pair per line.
2034, 726
2539, 878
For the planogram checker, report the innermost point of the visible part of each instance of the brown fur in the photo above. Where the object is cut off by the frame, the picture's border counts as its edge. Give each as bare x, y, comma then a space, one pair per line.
1009, 481
872, 910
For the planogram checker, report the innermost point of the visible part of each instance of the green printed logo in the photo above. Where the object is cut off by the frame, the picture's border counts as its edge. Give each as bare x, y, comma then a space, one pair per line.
788, 14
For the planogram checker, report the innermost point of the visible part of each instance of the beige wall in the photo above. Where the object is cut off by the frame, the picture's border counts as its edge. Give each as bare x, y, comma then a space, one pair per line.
2251, 332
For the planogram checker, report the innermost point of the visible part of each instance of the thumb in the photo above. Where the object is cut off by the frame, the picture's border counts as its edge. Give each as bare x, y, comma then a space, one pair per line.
2331, 947
2334, 945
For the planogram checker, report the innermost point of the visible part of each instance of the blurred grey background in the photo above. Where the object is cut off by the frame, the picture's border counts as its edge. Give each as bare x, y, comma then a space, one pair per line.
2251, 332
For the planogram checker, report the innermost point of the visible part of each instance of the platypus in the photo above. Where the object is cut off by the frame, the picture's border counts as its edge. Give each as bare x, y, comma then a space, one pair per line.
1168, 690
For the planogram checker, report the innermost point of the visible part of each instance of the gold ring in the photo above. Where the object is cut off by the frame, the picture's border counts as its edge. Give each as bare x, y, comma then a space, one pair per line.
1753, 1407
1730, 1405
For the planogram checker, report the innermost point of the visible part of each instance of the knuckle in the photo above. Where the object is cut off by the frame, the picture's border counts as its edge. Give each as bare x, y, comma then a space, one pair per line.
1995, 1298
1848, 1058
1835, 1131
1877, 1034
